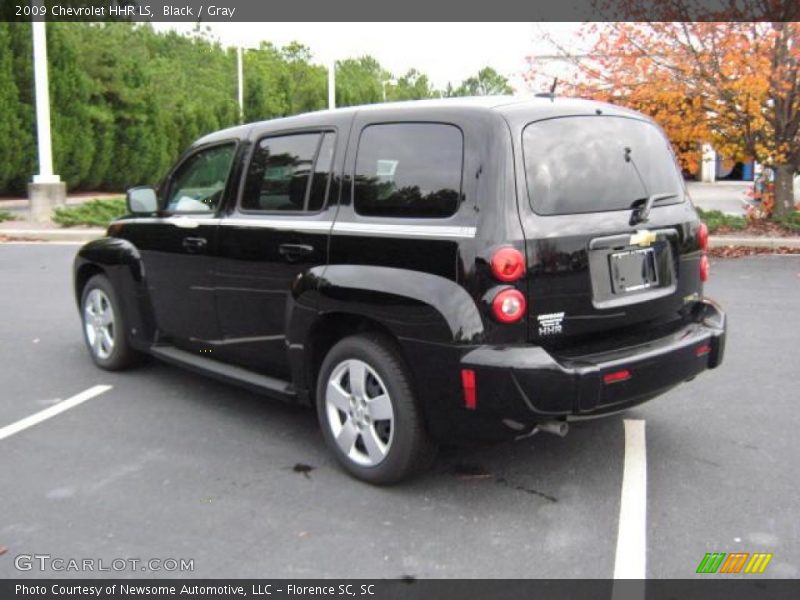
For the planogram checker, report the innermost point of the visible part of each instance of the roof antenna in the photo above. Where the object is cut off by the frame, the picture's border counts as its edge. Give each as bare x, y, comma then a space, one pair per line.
552, 93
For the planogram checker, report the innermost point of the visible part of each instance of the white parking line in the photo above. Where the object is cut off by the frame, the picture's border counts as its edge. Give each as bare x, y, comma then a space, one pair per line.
52, 411
630, 562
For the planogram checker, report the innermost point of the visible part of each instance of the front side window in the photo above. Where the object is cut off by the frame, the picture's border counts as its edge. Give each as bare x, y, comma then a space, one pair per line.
594, 164
410, 170
289, 173
198, 183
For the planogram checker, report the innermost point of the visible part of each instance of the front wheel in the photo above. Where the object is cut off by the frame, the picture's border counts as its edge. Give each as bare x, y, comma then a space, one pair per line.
103, 326
368, 413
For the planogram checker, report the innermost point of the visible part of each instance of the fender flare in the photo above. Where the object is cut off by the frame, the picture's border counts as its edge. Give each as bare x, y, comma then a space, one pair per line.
410, 304
364, 290
121, 262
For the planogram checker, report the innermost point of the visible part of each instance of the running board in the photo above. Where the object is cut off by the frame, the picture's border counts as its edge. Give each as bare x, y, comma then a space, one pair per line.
255, 382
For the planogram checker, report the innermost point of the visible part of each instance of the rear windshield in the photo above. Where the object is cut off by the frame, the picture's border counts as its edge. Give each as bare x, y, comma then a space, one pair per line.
589, 164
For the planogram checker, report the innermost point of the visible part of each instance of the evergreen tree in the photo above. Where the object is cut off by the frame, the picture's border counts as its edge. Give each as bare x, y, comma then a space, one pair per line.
487, 82
126, 100
21, 46
11, 123
411, 86
360, 81
73, 139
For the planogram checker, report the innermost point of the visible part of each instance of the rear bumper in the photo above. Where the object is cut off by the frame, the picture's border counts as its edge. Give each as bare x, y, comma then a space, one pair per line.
527, 384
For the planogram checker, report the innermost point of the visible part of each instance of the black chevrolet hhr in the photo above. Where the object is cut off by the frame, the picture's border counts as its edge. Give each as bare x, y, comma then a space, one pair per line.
458, 269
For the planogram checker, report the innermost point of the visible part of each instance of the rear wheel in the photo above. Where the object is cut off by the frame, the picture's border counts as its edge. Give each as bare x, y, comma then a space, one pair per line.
368, 413
103, 326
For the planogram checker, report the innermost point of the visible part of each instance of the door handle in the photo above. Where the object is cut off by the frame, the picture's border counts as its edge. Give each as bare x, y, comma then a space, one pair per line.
194, 244
295, 252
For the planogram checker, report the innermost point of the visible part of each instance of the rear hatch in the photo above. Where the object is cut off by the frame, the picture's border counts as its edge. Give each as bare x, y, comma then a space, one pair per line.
609, 230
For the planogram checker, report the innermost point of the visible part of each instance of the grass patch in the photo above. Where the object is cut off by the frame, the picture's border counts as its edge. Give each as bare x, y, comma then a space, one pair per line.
6, 215
790, 221
94, 213
716, 219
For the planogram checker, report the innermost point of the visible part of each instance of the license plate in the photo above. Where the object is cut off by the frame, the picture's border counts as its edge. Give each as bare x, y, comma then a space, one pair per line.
633, 270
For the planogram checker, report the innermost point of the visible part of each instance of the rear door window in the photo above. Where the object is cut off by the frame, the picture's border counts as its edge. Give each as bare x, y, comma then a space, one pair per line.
289, 173
589, 164
409, 170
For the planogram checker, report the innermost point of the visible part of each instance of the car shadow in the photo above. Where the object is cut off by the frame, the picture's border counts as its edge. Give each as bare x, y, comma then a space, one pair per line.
535, 466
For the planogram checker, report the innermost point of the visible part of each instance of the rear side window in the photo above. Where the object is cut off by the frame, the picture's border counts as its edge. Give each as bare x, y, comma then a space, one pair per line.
409, 170
289, 173
589, 164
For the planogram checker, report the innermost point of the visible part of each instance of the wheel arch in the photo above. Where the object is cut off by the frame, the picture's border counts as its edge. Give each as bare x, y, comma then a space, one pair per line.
83, 273
331, 328
120, 261
404, 306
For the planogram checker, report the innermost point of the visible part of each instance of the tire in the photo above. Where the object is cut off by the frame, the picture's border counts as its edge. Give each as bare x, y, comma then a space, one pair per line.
382, 425
103, 324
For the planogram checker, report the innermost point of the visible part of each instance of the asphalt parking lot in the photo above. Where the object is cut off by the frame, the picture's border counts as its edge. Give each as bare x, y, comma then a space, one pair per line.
167, 464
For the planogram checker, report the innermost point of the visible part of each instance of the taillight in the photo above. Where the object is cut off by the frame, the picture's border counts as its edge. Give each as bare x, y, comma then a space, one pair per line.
704, 268
509, 306
702, 236
508, 264
468, 384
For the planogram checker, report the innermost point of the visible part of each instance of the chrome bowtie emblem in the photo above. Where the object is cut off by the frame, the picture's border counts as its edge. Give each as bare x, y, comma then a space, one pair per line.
643, 238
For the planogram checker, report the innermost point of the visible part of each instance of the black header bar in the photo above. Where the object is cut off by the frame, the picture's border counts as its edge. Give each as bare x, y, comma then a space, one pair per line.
207, 11
751, 588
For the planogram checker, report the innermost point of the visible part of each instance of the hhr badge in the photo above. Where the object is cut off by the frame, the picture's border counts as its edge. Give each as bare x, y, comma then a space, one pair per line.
643, 238
550, 324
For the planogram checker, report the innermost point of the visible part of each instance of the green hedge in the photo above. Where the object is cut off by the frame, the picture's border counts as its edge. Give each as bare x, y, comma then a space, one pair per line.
94, 213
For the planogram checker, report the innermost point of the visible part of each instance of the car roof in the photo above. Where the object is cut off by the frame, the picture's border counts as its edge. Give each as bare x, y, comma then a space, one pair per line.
516, 109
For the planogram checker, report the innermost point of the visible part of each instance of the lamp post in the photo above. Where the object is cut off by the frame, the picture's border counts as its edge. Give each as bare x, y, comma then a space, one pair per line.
240, 73
332, 84
46, 191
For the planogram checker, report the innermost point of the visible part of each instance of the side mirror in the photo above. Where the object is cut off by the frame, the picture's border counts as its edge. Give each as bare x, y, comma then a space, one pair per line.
142, 200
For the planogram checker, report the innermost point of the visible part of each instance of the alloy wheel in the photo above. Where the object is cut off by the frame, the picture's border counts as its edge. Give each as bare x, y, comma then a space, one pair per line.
360, 413
98, 322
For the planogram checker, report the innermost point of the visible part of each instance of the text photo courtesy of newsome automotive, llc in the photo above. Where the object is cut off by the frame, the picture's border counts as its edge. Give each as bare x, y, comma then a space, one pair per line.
363, 306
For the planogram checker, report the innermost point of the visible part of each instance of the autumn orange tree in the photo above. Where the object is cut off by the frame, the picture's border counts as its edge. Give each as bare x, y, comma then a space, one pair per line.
733, 84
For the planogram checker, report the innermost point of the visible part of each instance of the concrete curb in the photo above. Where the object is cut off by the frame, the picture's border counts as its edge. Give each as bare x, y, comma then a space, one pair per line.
54, 235
725, 241
86, 235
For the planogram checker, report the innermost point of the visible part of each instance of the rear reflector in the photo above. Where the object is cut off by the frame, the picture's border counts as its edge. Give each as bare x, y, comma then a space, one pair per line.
616, 376
468, 383
704, 268
701, 350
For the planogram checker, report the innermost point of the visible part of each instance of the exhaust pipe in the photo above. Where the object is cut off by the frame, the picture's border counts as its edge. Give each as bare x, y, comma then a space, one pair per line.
559, 428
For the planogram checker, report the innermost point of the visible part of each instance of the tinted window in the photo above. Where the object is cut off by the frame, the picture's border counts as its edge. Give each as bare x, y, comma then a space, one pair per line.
409, 170
279, 174
198, 183
581, 164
